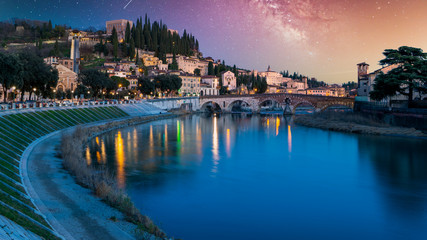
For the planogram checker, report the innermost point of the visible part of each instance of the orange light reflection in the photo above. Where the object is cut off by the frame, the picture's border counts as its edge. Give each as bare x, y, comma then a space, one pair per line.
120, 157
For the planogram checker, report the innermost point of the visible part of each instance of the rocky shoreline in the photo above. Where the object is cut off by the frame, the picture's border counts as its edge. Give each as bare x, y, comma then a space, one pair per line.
358, 128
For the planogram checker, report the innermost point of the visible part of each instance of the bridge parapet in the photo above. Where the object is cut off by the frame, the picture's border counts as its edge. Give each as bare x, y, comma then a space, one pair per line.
320, 103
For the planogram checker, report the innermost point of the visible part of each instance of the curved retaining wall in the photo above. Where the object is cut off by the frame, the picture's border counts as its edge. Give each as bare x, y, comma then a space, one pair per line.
17, 132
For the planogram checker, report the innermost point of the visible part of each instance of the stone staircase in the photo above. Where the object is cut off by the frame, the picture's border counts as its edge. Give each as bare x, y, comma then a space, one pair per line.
12, 231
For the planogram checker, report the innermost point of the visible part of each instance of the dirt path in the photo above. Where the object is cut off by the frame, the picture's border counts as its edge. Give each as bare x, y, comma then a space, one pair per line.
73, 211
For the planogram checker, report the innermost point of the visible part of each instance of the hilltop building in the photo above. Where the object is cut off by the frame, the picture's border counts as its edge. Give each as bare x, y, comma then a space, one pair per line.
189, 64
172, 32
273, 78
120, 26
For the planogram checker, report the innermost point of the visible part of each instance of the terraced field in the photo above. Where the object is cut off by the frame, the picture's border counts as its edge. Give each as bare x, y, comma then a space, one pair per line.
17, 132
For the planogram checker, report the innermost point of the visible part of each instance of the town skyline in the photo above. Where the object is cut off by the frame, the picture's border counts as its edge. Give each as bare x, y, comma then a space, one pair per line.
325, 39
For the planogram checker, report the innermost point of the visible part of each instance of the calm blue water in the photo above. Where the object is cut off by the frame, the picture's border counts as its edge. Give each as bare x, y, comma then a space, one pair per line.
231, 177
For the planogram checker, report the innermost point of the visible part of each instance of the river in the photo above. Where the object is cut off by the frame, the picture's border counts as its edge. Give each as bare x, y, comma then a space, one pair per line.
262, 177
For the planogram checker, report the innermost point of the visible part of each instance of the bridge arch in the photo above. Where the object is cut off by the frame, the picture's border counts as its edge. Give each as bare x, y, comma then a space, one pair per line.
269, 104
210, 106
241, 103
300, 103
343, 106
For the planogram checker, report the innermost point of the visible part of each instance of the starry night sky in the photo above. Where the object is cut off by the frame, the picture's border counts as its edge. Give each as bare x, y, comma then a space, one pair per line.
319, 38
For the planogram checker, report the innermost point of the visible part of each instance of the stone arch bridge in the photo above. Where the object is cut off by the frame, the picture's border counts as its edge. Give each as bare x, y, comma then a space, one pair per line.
254, 102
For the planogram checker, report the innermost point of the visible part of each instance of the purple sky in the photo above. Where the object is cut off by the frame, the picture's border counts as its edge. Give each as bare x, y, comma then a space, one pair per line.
319, 38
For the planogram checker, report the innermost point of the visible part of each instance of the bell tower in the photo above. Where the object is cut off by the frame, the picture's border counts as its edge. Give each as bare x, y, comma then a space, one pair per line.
363, 83
362, 70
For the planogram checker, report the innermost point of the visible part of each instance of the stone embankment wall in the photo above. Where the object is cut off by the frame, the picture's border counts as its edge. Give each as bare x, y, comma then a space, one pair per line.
17, 132
403, 117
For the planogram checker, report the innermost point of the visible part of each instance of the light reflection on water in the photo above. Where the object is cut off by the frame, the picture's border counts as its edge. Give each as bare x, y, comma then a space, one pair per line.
233, 177
120, 158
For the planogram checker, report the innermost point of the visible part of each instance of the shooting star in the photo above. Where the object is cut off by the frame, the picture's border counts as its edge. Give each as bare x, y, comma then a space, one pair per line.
127, 4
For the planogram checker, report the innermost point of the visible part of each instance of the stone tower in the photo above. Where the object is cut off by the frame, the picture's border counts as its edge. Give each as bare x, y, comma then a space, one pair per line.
75, 51
363, 84
362, 70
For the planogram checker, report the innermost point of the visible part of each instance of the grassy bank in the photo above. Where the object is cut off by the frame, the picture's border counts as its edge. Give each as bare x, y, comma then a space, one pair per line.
355, 123
99, 179
17, 132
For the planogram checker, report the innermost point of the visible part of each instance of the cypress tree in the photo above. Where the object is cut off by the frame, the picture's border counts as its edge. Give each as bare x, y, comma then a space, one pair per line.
127, 33
137, 38
56, 49
132, 49
40, 43
133, 32
210, 69
49, 26
115, 42
137, 58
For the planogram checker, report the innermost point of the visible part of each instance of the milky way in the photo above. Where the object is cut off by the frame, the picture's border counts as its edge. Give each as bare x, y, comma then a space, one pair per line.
320, 38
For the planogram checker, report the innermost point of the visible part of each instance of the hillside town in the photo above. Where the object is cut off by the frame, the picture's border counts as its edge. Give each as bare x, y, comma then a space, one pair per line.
200, 76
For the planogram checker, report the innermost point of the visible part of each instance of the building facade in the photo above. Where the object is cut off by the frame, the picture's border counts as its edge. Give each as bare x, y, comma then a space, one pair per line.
189, 64
120, 26
213, 81
365, 80
273, 78
229, 80
320, 91
67, 79
190, 85
207, 90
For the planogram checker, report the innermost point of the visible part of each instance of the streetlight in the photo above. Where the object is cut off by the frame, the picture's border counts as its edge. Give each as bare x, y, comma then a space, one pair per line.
34, 90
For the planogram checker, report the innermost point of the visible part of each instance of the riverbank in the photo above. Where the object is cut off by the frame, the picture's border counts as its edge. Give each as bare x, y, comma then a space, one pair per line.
100, 181
355, 123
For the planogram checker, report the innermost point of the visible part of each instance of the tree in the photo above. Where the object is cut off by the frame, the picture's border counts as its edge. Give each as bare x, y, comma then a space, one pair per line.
127, 33
409, 74
211, 69
56, 49
10, 75
94, 79
146, 85
168, 83
40, 44
48, 79
176, 82
101, 48
174, 64
120, 82
34, 72
350, 85
132, 49
49, 26
115, 41
197, 72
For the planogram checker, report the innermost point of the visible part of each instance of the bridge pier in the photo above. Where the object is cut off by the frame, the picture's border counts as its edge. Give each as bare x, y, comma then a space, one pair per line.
288, 110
